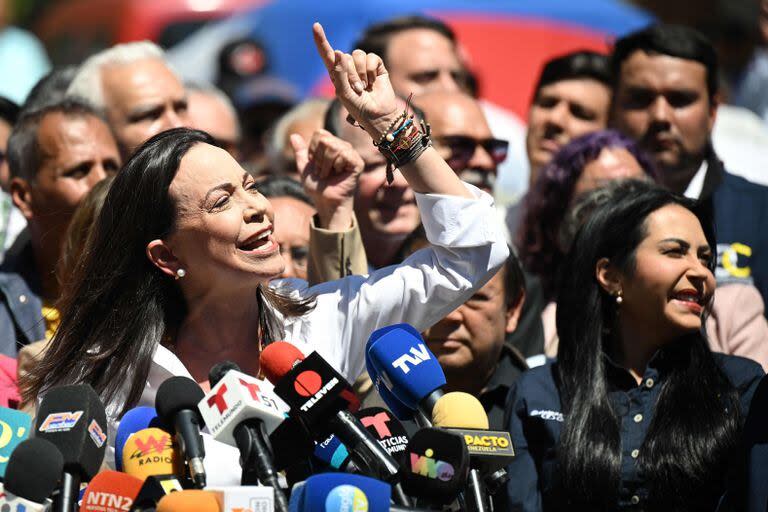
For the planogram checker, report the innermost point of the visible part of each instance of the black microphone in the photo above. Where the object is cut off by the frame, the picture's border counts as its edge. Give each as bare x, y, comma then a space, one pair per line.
386, 429
176, 404
437, 466
219, 370
292, 448
33, 470
153, 490
73, 419
321, 397
239, 411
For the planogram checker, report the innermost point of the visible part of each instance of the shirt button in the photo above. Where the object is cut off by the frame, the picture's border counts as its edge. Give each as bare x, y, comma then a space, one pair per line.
23, 299
649, 383
635, 453
634, 500
638, 418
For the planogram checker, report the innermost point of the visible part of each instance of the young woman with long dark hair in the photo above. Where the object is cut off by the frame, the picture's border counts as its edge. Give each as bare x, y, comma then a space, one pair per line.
636, 411
177, 273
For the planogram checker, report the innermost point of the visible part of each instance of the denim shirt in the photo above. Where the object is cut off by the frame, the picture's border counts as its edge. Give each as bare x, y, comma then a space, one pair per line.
535, 421
21, 316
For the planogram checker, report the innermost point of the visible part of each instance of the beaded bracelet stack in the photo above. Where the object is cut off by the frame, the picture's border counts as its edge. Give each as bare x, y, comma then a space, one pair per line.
403, 142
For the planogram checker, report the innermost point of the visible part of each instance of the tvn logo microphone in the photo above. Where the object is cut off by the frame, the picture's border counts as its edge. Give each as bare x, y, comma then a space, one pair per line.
414, 357
238, 396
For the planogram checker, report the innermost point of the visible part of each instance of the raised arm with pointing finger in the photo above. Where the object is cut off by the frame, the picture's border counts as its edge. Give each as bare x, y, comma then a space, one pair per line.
362, 85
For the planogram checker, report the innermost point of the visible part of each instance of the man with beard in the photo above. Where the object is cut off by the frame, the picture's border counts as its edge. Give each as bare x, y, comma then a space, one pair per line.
666, 80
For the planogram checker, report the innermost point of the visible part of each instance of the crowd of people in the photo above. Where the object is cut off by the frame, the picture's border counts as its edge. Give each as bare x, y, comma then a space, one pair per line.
612, 321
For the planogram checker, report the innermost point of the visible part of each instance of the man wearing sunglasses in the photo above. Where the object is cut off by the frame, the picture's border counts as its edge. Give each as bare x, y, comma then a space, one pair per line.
461, 134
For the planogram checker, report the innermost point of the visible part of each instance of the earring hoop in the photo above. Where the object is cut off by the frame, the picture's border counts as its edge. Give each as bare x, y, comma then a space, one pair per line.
180, 273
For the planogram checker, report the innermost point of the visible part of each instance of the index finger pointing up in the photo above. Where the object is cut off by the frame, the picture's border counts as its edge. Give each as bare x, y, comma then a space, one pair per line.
324, 48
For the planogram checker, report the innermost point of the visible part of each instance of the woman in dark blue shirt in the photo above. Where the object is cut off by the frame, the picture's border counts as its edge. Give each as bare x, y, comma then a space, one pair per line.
637, 412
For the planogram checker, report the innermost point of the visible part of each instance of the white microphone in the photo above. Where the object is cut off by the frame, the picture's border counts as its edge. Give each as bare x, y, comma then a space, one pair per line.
238, 397
242, 411
19, 504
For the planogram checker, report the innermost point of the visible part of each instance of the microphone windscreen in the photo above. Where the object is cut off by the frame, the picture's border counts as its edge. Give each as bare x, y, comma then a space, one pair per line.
405, 365
277, 359
436, 467
343, 491
34, 469
296, 503
177, 394
396, 406
14, 428
134, 420
219, 370
110, 491
73, 418
459, 410
150, 452
386, 429
199, 501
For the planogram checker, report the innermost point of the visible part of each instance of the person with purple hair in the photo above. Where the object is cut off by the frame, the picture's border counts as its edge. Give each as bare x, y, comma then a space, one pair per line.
584, 164
736, 325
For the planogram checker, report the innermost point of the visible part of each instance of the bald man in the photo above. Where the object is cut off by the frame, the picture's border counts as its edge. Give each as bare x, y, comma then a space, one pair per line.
461, 134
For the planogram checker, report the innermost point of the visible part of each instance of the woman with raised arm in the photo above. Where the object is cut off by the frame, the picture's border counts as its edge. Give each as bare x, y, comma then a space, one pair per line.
637, 412
177, 275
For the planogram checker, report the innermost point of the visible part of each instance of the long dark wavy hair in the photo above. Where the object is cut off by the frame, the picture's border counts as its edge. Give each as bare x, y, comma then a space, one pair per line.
551, 196
118, 306
697, 419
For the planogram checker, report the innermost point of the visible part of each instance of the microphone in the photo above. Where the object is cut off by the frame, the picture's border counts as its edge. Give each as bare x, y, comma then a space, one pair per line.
73, 419
134, 420
153, 489
193, 499
110, 491
32, 473
386, 429
490, 451
406, 367
437, 468
402, 412
292, 447
219, 370
333, 454
14, 428
150, 452
241, 411
336, 492
176, 403
319, 396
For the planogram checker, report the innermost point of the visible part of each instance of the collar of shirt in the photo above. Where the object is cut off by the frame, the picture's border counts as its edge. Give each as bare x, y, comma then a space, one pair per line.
696, 185
494, 395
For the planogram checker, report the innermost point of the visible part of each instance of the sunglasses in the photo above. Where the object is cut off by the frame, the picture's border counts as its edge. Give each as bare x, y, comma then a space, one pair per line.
463, 147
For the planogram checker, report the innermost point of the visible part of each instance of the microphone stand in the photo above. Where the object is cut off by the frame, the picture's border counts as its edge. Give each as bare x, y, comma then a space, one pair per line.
476, 497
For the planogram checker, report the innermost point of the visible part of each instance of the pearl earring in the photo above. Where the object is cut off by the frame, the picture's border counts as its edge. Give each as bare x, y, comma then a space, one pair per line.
180, 273
619, 298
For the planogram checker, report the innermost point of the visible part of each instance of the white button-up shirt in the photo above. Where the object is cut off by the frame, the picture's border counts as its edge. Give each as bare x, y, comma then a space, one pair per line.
468, 247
